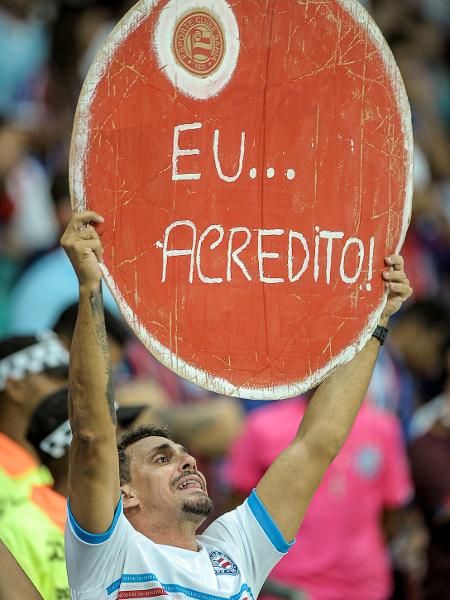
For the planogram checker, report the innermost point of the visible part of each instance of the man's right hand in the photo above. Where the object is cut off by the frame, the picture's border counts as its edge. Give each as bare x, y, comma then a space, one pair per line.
83, 247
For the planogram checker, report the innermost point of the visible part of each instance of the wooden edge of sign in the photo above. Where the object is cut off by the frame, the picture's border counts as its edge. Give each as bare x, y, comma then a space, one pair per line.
76, 181
362, 16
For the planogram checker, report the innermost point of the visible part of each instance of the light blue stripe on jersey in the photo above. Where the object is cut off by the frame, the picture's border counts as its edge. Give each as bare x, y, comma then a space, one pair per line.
268, 524
174, 588
130, 579
200, 595
93, 538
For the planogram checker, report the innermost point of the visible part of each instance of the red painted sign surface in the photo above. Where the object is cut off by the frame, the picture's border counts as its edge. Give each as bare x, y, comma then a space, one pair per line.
253, 165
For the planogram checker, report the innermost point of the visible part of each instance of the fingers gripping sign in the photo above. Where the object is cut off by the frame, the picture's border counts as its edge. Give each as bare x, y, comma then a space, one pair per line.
84, 247
398, 285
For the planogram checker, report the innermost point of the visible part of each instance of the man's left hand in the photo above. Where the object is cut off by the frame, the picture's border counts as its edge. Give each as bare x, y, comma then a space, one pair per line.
398, 284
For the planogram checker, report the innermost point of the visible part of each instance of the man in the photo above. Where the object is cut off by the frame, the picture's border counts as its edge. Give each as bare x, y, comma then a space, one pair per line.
30, 368
132, 533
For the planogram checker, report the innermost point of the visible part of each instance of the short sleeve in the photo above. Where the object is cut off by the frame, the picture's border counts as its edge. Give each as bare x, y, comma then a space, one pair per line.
91, 557
252, 539
398, 488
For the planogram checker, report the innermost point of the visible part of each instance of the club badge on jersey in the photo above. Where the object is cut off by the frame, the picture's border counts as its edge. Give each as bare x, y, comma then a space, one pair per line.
222, 563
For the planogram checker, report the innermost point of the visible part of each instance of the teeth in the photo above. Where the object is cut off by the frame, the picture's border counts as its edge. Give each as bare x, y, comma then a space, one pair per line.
186, 482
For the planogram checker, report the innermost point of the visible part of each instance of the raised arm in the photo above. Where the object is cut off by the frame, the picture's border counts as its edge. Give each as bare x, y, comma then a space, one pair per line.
94, 488
290, 482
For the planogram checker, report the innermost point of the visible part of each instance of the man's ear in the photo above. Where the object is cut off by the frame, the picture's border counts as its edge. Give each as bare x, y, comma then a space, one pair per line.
129, 497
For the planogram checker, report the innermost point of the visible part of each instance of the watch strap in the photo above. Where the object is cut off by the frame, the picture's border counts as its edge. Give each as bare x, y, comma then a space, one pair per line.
380, 333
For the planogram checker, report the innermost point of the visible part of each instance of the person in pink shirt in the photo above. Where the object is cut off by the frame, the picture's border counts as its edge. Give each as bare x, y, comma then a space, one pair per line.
340, 552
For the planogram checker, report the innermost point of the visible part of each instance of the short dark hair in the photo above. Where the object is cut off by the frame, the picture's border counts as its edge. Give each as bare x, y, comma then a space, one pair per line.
131, 437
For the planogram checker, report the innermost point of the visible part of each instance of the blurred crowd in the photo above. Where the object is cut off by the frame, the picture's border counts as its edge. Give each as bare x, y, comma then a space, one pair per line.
379, 526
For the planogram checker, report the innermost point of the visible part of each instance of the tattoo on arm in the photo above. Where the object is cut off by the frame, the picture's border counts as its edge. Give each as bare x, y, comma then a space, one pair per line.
98, 314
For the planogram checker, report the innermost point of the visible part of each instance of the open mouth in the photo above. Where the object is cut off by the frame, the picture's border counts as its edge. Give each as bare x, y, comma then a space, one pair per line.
190, 483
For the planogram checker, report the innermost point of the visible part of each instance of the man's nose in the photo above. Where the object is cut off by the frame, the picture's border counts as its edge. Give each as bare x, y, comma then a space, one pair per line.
188, 463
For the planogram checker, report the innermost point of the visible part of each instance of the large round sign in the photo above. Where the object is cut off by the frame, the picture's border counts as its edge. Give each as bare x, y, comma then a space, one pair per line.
252, 161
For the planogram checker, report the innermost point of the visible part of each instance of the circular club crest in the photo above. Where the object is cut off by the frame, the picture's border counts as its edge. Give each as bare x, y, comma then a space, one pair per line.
253, 163
198, 43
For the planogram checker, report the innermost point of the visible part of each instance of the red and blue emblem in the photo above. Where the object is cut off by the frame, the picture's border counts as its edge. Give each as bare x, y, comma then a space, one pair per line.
222, 563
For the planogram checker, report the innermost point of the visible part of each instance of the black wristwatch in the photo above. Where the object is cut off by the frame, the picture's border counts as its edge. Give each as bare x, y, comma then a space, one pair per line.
380, 333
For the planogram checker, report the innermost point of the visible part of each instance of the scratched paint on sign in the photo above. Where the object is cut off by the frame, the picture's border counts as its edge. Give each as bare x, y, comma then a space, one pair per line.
253, 163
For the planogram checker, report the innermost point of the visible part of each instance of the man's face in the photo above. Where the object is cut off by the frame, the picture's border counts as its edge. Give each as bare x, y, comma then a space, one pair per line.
165, 479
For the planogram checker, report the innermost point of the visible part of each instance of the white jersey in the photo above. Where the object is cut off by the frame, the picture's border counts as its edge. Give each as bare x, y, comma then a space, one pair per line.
235, 555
